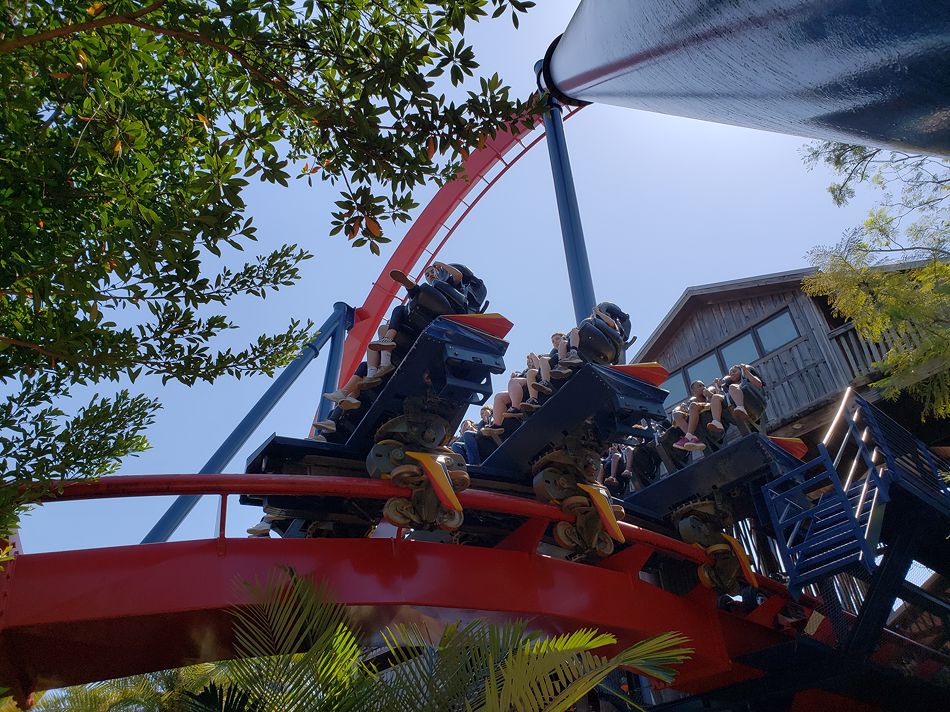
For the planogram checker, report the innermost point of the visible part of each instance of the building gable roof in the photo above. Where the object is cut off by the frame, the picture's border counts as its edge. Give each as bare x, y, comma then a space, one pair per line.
695, 297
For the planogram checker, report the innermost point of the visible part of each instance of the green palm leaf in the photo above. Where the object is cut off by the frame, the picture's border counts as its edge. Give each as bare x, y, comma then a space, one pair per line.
297, 650
551, 674
216, 698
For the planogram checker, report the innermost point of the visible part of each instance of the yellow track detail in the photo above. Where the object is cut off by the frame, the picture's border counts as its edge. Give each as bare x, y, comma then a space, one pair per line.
602, 505
747, 572
439, 479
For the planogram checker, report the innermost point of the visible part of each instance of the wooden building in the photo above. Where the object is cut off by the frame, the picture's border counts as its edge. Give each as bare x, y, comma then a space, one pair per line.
806, 356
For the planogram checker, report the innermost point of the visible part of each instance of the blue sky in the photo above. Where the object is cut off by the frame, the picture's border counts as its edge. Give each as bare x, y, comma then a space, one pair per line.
666, 203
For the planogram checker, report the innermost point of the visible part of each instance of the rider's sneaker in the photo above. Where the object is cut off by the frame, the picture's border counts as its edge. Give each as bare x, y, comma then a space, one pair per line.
327, 426
383, 344
343, 399
689, 442
544, 387
262, 528
715, 426
572, 359
559, 372
530, 405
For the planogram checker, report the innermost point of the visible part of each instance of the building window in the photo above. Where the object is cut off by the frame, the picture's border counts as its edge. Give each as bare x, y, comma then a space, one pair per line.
776, 332
741, 350
677, 388
705, 370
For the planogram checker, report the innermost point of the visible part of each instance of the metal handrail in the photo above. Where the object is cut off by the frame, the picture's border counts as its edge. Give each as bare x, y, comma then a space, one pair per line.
222, 485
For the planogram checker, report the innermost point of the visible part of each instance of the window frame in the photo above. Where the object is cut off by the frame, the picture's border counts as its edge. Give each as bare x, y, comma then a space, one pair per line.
681, 372
752, 330
755, 332
755, 343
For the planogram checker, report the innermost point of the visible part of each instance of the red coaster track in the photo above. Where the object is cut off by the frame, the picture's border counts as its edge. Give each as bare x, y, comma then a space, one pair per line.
81, 616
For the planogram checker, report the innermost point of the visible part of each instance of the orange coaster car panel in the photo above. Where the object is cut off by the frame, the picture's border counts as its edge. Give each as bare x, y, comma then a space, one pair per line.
795, 447
439, 480
652, 373
492, 324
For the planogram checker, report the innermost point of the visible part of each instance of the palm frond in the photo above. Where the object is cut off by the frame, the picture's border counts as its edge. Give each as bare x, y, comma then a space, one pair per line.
443, 675
297, 649
552, 674
653, 657
217, 698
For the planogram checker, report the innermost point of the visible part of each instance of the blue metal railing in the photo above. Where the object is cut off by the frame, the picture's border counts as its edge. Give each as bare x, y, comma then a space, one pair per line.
333, 329
827, 514
816, 522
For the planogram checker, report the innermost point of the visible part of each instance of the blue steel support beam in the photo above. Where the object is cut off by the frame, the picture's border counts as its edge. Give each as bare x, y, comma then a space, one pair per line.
886, 584
575, 250
331, 379
172, 519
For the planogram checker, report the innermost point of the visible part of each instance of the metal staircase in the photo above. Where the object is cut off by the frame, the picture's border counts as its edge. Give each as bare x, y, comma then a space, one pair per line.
820, 527
828, 514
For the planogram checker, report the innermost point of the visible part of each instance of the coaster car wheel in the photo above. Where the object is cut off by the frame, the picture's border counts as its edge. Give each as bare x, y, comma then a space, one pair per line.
553, 485
399, 512
451, 520
407, 476
575, 505
707, 576
566, 536
452, 459
384, 456
603, 544
460, 480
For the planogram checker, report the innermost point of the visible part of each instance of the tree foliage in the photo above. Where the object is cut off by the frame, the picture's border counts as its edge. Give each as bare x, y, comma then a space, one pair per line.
891, 275
299, 651
129, 131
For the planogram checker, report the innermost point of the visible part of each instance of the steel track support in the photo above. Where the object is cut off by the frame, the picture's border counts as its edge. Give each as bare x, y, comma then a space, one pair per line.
340, 319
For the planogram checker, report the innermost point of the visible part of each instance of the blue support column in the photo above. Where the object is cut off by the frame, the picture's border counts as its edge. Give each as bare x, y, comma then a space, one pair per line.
575, 250
331, 379
342, 317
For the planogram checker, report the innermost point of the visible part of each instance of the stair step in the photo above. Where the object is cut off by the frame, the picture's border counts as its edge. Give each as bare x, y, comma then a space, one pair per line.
827, 543
836, 555
805, 577
821, 536
836, 517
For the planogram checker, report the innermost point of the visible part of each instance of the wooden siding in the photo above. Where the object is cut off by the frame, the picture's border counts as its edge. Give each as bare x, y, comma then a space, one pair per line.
798, 376
713, 324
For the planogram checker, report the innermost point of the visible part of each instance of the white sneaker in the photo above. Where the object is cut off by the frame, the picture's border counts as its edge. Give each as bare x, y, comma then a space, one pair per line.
343, 399
327, 426
262, 528
383, 344
741, 412
716, 427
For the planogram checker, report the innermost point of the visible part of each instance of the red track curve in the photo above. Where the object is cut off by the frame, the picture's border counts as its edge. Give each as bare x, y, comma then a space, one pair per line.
424, 230
80, 616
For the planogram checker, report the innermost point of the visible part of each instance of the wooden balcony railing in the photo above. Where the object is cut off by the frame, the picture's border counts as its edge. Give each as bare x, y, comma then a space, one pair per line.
860, 356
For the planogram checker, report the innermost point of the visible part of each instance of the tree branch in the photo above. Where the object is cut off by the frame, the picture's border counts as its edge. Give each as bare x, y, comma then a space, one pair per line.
32, 347
279, 83
64, 31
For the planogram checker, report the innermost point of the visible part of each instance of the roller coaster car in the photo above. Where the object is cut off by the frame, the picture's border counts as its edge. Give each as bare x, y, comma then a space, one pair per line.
399, 433
707, 496
430, 301
557, 450
600, 343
